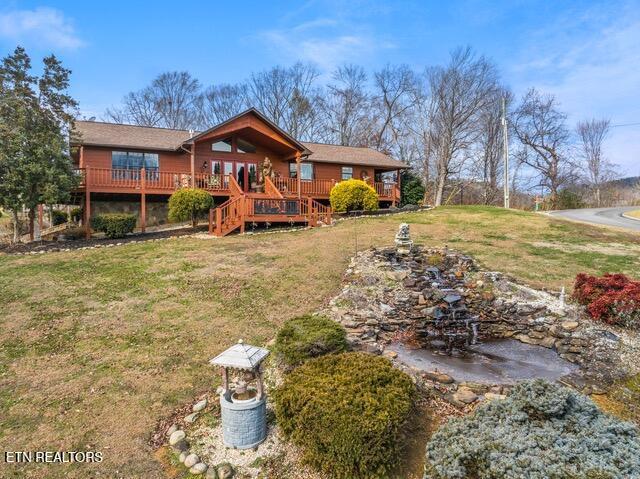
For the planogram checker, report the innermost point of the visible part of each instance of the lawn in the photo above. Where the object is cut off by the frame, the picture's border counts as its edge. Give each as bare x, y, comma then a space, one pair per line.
97, 345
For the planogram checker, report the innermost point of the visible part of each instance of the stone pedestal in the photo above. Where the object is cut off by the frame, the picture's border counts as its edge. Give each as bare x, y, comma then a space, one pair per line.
403, 240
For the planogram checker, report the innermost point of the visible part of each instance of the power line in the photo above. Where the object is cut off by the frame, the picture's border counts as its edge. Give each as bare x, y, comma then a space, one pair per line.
625, 124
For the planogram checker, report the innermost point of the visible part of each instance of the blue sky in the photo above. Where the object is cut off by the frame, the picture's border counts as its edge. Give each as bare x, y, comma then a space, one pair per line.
586, 53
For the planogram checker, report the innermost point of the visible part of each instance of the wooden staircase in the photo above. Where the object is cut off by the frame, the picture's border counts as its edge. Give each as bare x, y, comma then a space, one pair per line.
270, 206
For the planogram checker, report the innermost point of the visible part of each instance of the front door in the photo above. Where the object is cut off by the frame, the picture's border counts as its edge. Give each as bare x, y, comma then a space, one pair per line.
244, 172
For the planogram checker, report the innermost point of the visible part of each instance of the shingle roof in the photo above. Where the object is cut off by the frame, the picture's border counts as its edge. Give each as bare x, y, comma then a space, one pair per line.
97, 133
114, 135
240, 356
351, 155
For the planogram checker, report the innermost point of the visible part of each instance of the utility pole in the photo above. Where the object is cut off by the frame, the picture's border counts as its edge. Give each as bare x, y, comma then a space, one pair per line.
505, 152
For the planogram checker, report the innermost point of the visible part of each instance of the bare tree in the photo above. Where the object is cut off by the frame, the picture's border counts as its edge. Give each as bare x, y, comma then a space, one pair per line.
289, 97
488, 165
221, 102
541, 128
393, 99
591, 136
460, 92
170, 101
347, 107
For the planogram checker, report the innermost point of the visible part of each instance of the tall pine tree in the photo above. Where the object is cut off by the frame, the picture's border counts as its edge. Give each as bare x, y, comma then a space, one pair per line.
36, 117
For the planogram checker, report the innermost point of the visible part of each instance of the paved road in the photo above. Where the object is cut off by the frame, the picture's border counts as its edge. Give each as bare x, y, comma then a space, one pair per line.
602, 216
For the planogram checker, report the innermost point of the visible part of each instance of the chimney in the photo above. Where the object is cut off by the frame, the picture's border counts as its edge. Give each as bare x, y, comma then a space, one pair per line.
191, 132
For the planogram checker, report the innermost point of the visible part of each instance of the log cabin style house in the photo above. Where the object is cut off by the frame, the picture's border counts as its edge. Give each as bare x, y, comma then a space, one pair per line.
256, 172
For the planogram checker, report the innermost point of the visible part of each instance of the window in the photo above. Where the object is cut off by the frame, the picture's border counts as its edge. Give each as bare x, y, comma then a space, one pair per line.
306, 171
134, 161
245, 147
222, 145
347, 172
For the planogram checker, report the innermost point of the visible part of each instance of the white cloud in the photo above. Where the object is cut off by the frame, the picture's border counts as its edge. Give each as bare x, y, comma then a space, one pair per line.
327, 42
589, 61
46, 27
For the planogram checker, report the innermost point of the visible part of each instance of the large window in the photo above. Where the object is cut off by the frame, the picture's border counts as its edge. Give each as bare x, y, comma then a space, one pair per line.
132, 162
222, 145
347, 172
306, 171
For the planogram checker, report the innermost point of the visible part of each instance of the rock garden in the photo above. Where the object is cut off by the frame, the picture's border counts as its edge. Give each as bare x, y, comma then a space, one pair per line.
504, 371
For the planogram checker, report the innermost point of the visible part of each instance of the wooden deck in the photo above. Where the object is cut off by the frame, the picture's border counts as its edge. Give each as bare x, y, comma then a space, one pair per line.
107, 180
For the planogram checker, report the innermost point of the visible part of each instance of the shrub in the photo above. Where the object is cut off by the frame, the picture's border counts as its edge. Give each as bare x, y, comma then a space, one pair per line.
114, 225
612, 298
76, 214
353, 195
346, 413
308, 337
541, 430
58, 217
189, 204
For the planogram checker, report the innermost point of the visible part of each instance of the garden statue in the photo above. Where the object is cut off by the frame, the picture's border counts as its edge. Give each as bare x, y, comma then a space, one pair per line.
267, 169
403, 240
243, 406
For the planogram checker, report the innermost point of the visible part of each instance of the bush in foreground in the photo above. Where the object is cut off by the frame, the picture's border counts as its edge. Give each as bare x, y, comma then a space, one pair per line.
58, 217
308, 337
189, 204
114, 225
346, 411
612, 298
353, 195
540, 431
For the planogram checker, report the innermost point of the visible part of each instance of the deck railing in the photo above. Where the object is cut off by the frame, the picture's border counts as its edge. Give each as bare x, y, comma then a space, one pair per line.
169, 181
323, 187
121, 178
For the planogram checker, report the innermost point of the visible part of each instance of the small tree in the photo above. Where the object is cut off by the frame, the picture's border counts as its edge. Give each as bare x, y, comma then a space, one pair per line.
36, 115
353, 195
189, 204
412, 189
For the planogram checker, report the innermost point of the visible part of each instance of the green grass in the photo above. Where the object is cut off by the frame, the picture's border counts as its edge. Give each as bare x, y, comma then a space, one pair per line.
97, 345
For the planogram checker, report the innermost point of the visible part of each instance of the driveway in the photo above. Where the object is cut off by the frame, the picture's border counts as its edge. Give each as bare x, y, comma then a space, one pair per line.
602, 216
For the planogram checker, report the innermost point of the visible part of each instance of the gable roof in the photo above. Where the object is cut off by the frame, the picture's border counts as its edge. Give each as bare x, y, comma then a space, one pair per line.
251, 111
352, 155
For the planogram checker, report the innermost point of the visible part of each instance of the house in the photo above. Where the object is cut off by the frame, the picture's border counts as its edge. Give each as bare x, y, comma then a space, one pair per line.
255, 171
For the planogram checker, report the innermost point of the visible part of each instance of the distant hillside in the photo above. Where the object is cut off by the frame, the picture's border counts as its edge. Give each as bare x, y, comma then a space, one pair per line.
628, 182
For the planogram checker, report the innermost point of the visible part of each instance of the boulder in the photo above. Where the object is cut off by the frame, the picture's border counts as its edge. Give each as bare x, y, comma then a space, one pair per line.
176, 437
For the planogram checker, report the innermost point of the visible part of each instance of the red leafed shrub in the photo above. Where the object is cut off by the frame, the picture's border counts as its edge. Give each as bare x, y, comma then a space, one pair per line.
612, 298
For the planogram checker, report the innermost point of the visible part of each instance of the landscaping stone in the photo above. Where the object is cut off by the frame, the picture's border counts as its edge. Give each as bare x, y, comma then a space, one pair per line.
438, 377
390, 354
191, 460
191, 418
176, 437
171, 430
199, 468
465, 395
494, 397
225, 471
182, 457
569, 325
199, 406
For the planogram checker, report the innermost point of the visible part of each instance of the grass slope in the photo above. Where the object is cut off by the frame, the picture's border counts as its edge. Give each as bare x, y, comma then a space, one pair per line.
96, 345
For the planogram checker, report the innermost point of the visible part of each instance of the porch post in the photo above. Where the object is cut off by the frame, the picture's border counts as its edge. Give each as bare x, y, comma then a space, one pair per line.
193, 165
143, 200
87, 204
397, 186
298, 161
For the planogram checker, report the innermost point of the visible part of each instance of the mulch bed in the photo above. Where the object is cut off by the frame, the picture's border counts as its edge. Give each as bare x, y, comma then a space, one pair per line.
84, 243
